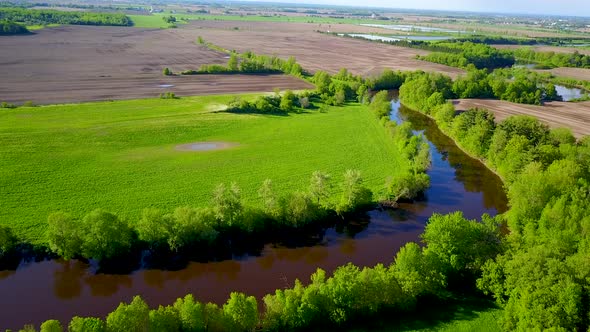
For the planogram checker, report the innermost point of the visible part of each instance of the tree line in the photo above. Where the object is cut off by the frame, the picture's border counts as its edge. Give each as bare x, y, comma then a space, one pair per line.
462, 54
453, 253
11, 28
553, 59
46, 16
540, 277
248, 63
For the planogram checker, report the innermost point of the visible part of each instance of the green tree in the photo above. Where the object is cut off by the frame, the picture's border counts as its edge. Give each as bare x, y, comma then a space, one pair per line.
232, 63
51, 326
105, 235
319, 187
166, 71
8, 241
132, 317
298, 209
87, 324
191, 226
287, 101
227, 204
354, 194
191, 314
64, 235
154, 227
164, 319
243, 311
269, 198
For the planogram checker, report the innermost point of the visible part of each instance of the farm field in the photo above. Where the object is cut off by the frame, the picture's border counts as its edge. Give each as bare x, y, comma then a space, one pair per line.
581, 74
83, 63
575, 116
315, 51
124, 156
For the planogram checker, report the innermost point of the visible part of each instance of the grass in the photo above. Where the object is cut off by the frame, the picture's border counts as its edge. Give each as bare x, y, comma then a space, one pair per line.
156, 21
453, 315
121, 155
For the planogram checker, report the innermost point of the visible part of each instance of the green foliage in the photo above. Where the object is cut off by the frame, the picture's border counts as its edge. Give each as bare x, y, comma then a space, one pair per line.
166, 71
51, 326
168, 95
105, 235
242, 310
420, 86
154, 227
8, 241
65, 235
191, 314
227, 204
473, 130
132, 317
406, 186
553, 59
232, 63
11, 28
354, 193
164, 319
462, 54
320, 187
169, 19
86, 324
43, 17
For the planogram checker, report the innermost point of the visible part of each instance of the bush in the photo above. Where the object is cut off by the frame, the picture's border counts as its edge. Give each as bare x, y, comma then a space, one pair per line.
168, 95
166, 71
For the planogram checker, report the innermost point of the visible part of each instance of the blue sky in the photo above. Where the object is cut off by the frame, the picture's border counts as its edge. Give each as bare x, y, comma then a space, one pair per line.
554, 7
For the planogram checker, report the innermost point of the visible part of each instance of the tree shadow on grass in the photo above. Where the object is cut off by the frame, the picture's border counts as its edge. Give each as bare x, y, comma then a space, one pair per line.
430, 315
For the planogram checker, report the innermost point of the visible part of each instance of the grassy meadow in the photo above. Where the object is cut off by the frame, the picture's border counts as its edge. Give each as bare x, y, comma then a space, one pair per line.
156, 21
121, 155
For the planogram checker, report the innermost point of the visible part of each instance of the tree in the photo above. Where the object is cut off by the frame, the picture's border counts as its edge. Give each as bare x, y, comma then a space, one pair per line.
132, 317
288, 101
169, 19
86, 324
269, 198
105, 235
191, 314
242, 310
166, 71
354, 194
64, 235
319, 187
51, 326
191, 226
164, 319
7, 241
232, 63
154, 227
298, 210
304, 102
227, 204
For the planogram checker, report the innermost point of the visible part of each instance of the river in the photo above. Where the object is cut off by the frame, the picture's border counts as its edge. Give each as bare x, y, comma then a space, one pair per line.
57, 289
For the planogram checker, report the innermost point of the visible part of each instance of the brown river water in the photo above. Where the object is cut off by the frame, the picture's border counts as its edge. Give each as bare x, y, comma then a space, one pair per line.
56, 289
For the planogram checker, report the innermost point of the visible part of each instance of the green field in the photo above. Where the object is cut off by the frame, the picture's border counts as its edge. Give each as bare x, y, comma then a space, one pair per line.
121, 155
156, 21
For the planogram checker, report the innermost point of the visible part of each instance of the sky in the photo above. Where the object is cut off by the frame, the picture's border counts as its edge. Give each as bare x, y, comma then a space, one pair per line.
553, 7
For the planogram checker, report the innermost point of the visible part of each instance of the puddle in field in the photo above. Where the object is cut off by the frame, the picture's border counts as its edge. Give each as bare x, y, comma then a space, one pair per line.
165, 85
205, 146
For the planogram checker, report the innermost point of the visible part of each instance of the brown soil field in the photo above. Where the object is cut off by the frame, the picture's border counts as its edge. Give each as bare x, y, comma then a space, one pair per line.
84, 63
581, 74
555, 49
315, 51
575, 116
